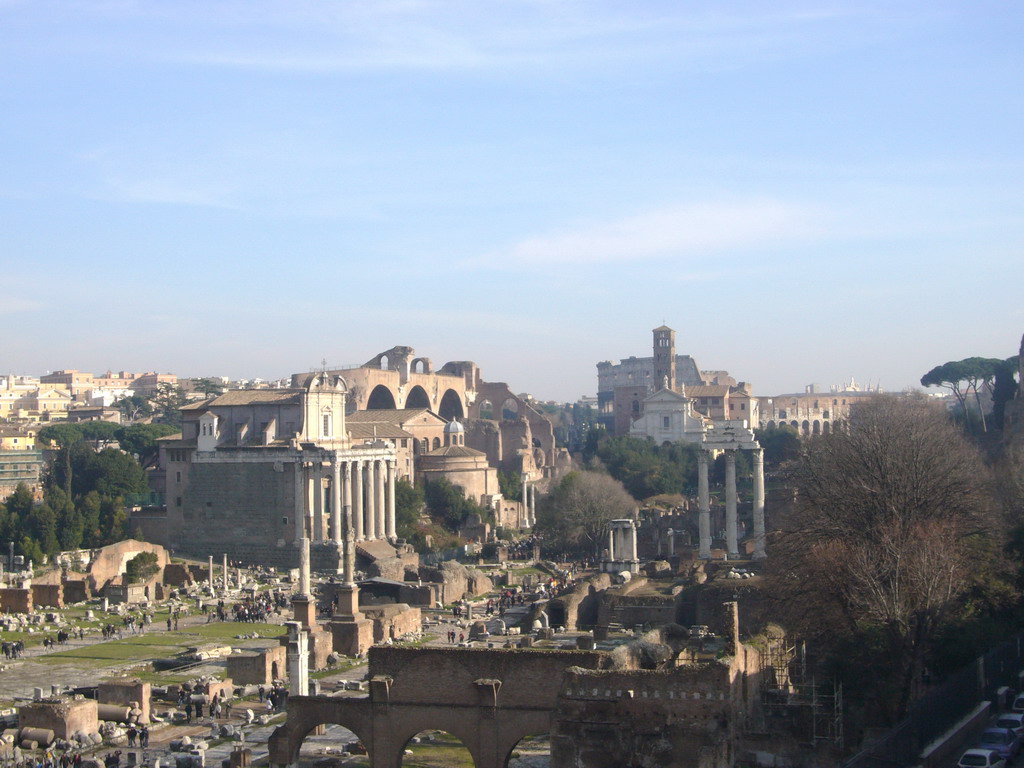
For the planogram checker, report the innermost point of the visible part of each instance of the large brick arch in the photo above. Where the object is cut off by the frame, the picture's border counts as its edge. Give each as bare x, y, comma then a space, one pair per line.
489, 699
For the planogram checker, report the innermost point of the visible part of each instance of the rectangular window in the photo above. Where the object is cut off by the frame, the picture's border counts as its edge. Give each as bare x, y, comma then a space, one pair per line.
327, 425
405, 442
177, 477
665, 422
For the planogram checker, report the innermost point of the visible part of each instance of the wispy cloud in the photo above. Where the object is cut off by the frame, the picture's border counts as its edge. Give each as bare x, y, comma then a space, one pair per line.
12, 305
681, 230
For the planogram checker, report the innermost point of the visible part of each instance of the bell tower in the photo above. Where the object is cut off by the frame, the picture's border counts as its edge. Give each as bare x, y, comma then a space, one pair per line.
664, 359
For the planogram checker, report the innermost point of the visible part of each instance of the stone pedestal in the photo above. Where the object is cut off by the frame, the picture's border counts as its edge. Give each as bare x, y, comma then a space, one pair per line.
304, 610
348, 602
351, 637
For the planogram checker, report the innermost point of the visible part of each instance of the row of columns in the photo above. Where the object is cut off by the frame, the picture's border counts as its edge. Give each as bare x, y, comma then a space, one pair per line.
529, 503
704, 504
365, 486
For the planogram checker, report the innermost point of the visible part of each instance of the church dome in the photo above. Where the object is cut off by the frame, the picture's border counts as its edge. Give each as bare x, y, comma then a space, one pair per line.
454, 428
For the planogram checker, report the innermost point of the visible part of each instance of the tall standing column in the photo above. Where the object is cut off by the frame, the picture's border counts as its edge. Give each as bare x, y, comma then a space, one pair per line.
336, 500
209, 580
704, 505
304, 586
371, 500
378, 485
732, 545
300, 501
225, 572
349, 555
525, 496
357, 499
631, 533
759, 537
611, 543
392, 469
318, 501
533, 506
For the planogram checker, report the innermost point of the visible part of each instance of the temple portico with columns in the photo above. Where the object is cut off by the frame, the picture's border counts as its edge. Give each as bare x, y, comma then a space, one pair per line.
255, 472
730, 437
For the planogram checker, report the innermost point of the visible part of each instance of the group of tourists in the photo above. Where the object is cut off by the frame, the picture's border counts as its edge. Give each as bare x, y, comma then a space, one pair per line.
48, 759
138, 736
13, 649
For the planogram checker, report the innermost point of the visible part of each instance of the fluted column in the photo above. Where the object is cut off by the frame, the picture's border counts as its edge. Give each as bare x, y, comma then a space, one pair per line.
300, 501
379, 502
304, 587
525, 495
371, 500
318, 501
704, 505
533, 506
357, 500
611, 543
759, 533
392, 468
336, 500
631, 533
732, 545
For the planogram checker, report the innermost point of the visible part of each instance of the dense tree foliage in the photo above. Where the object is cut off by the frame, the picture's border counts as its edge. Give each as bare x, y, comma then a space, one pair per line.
448, 504
409, 503
968, 376
888, 547
645, 468
83, 490
781, 445
141, 567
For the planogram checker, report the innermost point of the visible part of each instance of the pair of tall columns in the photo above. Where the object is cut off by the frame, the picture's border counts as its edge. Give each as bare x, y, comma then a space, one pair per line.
704, 505
622, 540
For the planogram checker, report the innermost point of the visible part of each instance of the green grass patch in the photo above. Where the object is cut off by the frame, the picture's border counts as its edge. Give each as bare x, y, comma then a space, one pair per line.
445, 751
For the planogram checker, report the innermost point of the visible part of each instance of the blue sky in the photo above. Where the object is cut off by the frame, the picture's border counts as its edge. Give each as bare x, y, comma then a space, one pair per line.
805, 191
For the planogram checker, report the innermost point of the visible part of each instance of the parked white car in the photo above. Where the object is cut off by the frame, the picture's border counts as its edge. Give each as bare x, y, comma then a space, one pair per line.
980, 758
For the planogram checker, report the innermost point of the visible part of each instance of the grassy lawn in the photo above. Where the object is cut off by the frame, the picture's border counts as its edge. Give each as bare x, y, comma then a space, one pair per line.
445, 751
159, 643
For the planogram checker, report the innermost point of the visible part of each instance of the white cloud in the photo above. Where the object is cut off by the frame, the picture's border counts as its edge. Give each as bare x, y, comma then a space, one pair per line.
681, 230
15, 306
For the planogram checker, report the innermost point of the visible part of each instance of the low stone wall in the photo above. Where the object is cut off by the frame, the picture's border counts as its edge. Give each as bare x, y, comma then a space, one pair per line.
65, 717
261, 667
392, 620
124, 692
48, 595
15, 600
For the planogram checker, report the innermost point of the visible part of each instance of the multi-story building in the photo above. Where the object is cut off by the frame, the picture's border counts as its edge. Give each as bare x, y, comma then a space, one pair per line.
624, 388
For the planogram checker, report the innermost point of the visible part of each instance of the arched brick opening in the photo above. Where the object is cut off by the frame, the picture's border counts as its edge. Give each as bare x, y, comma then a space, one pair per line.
418, 398
509, 410
381, 399
531, 745
443, 740
451, 406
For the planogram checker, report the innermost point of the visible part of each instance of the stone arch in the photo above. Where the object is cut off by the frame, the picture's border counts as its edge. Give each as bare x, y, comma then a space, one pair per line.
535, 742
462, 742
795, 425
289, 737
805, 428
450, 407
486, 409
422, 365
509, 409
816, 427
381, 399
418, 398
384, 362
826, 428
437, 443
771, 425
555, 609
